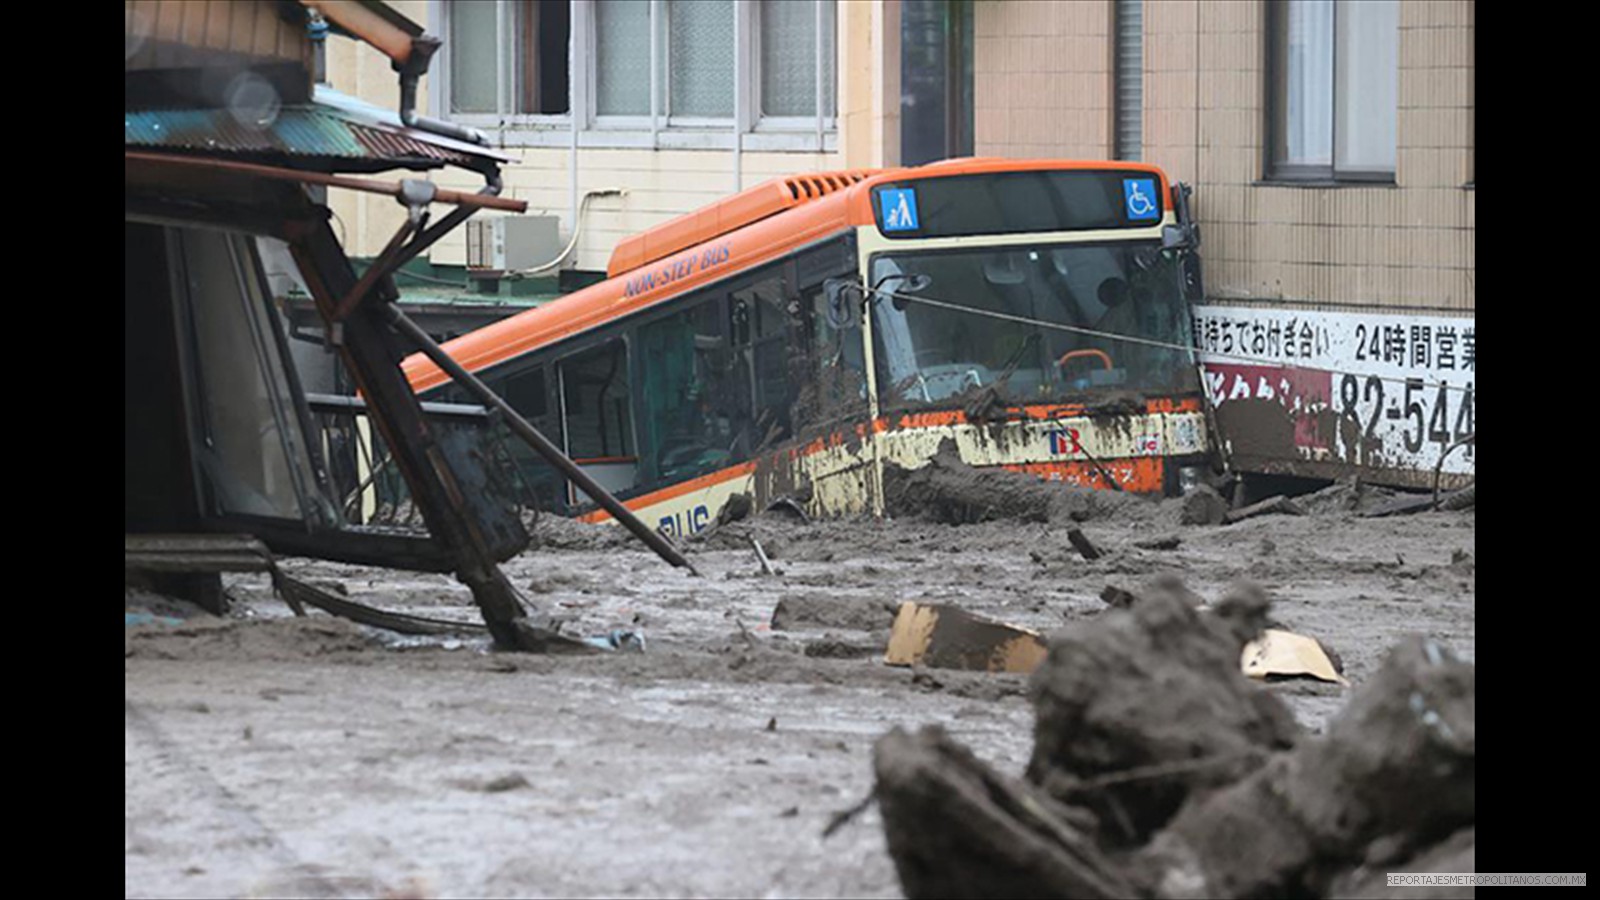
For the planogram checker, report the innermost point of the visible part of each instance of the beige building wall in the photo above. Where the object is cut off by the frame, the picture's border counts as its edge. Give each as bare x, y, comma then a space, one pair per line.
1041, 82
1043, 88
659, 184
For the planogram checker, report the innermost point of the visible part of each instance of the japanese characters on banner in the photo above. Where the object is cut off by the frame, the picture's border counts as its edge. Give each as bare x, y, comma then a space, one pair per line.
1366, 389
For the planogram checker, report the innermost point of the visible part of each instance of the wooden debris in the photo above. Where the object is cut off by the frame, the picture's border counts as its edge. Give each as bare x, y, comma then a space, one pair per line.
766, 564
1276, 504
948, 637
1081, 543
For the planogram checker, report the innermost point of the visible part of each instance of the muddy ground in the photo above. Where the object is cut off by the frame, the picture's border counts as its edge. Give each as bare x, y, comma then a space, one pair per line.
269, 756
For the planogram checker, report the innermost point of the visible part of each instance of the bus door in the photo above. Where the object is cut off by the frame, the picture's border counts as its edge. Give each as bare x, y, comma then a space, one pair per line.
597, 417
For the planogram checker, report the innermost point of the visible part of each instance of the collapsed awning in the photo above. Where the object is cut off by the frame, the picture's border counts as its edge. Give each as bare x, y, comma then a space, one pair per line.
333, 133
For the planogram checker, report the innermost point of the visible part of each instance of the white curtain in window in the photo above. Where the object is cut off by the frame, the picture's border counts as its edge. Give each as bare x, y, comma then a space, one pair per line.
700, 58
1308, 86
472, 58
1368, 85
788, 57
622, 57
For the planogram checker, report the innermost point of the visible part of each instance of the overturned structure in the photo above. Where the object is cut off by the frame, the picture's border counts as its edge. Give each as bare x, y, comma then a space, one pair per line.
230, 148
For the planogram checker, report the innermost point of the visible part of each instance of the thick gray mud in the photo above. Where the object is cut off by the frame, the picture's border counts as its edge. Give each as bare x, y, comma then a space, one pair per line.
267, 756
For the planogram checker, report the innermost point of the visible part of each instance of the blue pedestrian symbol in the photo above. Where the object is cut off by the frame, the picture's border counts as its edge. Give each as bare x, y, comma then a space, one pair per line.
899, 209
1140, 194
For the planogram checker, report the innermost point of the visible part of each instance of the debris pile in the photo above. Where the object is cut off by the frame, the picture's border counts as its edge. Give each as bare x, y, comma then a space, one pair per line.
1158, 770
948, 490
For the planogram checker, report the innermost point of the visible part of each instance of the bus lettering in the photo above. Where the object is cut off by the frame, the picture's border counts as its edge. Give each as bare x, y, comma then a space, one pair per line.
697, 519
675, 270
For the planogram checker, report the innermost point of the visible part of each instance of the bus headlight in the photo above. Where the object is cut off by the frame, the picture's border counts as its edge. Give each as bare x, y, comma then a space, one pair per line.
1189, 477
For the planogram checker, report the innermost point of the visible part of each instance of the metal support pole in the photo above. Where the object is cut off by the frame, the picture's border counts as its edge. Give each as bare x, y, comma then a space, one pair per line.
740, 90
655, 68
818, 47
537, 441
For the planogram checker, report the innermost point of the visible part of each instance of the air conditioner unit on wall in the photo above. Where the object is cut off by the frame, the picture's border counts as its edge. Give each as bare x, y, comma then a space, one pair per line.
511, 243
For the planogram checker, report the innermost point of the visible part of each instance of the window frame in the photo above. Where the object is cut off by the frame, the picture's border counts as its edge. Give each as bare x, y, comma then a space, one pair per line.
756, 131
1273, 109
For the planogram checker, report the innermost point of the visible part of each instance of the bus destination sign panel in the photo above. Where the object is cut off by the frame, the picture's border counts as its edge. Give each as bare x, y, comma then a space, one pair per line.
1018, 202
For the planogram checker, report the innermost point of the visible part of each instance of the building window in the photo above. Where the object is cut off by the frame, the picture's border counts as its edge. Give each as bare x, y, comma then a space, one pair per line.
1334, 70
505, 58
700, 59
509, 57
935, 80
787, 48
622, 58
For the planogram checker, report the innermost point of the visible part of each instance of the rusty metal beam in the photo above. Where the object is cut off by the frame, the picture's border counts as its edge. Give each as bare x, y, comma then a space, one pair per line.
552, 454
195, 553
394, 189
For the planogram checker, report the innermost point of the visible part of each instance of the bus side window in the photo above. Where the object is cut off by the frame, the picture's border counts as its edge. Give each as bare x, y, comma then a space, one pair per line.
528, 393
695, 401
597, 416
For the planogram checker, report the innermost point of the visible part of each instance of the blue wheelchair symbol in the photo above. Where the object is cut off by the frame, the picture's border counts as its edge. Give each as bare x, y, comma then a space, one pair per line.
1140, 193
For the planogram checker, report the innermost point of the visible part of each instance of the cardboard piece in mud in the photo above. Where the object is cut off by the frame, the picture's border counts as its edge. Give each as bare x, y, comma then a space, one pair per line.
948, 637
1284, 654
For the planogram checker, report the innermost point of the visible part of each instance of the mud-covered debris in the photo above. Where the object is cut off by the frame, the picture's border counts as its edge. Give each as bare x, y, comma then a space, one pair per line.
1394, 775
1159, 771
761, 556
957, 828
1401, 505
1242, 613
833, 647
799, 611
282, 639
1204, 506
1149, 686
1120, 598
942, 636
1456, 854
1465, 498
510, 781
1165, 583
618, 639
791, 507
1276, 505
1082, 544
738, 507
131, 618
946, 489
1164, 542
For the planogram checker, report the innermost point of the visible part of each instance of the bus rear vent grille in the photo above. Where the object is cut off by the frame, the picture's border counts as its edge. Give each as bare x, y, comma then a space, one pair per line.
810, 187
730, 214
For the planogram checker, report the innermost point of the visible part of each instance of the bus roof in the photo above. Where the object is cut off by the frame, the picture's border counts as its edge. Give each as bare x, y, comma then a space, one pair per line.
714, 242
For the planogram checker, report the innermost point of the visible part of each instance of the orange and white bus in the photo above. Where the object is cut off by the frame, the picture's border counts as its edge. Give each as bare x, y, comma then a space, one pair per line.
793, 340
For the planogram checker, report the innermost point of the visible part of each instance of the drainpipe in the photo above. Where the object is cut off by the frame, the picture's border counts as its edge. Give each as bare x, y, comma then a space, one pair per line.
411, 70
317, 32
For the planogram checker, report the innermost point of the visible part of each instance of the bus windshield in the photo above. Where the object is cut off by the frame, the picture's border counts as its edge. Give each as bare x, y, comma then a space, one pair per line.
1018, 319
